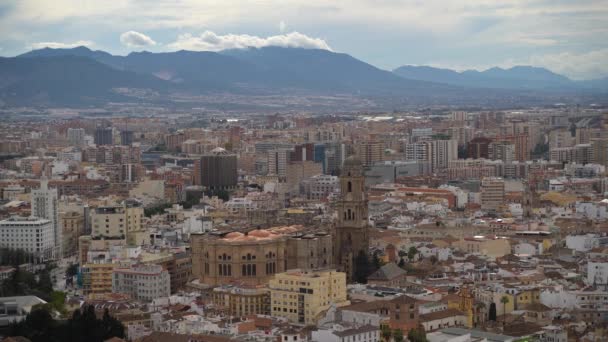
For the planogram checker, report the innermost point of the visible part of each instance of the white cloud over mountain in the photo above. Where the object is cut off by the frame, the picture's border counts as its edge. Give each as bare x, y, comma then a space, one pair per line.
136, 39
60, 45
210, 41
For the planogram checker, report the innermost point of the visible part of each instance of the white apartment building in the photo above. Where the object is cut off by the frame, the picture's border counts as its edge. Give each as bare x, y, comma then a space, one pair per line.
44, 205
319, 186
142, 282
30, 234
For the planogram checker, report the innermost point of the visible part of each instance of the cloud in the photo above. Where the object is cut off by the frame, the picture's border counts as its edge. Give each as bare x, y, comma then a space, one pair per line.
209, 41
59, 45
576, 66
136, 39
587, 65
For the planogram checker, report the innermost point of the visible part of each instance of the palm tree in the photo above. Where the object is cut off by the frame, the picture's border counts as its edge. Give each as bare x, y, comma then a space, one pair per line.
504, 300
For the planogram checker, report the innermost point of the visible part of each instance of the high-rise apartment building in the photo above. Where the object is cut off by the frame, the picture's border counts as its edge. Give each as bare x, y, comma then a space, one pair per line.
492, 193
44, 205
437, 152
76, 136
369, 152
501, 150
277, 160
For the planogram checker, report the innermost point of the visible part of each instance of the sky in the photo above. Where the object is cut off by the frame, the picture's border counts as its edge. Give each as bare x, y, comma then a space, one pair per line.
566, 36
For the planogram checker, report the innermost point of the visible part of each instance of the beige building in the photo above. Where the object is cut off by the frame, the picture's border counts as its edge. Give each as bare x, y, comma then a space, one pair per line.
117, 221
492, 193
242, 300
301, 170
303, 296
369, 152
72, 224
493, 247
97, 277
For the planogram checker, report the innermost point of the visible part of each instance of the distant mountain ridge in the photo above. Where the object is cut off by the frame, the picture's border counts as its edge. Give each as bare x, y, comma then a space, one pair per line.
517, 77
83, 76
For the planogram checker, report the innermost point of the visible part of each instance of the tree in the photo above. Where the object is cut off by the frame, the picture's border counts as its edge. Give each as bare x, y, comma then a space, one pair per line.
377, 262
504, 300
402, 253
492, 312
71, 271
386, 332
44, 282
417, 335
111, 326
433, 259
397, 335
362, 268
412, 252
401, 263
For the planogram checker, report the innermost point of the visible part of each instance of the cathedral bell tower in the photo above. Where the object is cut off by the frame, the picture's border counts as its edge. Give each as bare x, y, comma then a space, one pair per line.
351, 234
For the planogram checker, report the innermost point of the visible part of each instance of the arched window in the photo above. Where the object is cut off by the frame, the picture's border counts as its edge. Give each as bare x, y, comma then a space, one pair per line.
350, 186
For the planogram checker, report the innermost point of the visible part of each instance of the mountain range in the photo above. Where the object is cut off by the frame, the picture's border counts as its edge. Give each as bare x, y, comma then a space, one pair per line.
80, 76
517, 77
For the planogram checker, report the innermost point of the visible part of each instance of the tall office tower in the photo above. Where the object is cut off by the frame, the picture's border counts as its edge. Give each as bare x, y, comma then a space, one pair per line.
218, 170
76, 136
44, 205
104, 136
501, 150
492, 193
351, 233
369, 152
478, 148
126, 138
319, 156
277, 160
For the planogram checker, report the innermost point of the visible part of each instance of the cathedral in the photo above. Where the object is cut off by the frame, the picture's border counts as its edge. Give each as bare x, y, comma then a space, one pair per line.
351, 235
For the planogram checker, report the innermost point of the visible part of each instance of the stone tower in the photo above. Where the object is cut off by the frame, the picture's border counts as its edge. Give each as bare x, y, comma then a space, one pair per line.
351, 234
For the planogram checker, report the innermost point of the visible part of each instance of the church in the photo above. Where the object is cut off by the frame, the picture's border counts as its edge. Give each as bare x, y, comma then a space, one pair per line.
351, 232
